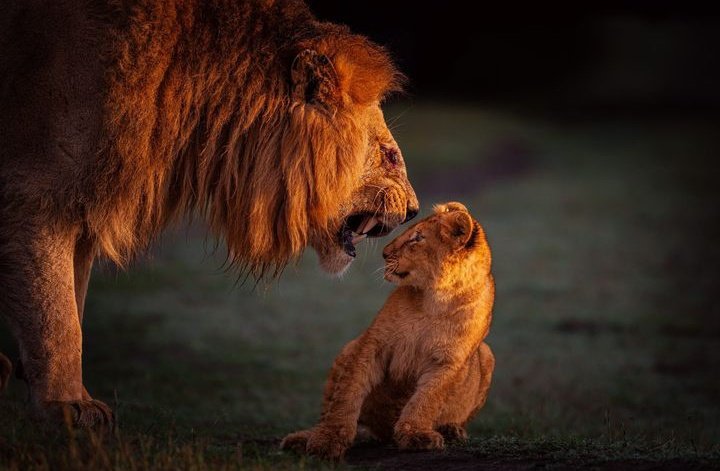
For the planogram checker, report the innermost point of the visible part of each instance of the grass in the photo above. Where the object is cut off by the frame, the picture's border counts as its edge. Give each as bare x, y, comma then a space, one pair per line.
606, 329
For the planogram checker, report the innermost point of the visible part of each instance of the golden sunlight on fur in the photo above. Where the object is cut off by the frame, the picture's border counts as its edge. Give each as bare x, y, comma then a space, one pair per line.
120, 117
421, 370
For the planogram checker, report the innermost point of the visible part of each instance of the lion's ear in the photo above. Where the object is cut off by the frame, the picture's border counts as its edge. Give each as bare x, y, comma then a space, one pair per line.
456, 228
366, 72
314, 80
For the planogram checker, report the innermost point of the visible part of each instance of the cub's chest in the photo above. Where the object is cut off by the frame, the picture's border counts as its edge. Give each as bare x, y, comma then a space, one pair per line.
416, 346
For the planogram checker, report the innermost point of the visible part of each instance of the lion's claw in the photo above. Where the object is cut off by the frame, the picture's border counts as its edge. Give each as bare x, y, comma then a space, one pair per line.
420, 440
82, 414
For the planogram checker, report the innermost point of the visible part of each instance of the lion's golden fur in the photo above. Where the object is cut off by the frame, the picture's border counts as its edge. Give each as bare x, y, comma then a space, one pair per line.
122, 116
421, 370
200, 125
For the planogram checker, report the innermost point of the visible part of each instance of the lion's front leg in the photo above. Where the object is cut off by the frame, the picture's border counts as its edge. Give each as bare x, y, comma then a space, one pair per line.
41, 310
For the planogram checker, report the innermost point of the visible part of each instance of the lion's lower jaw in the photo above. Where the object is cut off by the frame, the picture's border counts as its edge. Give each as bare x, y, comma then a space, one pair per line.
334, 262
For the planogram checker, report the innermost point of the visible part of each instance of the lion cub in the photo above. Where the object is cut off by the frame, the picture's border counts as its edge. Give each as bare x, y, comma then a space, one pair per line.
421, 370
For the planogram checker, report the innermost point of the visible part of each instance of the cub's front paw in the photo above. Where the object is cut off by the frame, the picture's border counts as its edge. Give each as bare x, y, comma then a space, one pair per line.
453, 432
411, 439
296, 441
328, 443
324, 443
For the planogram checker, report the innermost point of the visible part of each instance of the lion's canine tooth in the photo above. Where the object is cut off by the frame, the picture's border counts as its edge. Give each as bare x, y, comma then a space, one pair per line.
359, 238
369, 224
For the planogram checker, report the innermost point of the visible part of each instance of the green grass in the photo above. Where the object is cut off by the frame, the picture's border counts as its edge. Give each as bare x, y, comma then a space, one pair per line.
606, 333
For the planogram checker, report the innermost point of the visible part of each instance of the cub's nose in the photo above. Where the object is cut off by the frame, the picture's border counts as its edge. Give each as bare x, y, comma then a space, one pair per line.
410, 213
386, 252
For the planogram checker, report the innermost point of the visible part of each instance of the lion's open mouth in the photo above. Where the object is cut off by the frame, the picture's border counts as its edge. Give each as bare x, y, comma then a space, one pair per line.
359, 226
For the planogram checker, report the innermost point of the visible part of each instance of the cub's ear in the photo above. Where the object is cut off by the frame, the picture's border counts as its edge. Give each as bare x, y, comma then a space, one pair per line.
456, 228
314, 80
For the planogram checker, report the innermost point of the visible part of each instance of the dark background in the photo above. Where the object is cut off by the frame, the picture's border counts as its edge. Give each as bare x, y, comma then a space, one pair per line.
584, 139
595, 56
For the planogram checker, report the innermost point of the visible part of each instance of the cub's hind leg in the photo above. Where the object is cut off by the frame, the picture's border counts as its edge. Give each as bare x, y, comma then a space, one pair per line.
487, 366
468, 396
41, 309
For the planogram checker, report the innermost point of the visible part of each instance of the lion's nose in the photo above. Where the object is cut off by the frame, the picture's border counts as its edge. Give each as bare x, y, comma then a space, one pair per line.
410, 213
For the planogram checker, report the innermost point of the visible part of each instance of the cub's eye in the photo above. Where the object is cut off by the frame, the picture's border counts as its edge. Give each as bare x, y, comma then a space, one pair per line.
390, 154
417, 237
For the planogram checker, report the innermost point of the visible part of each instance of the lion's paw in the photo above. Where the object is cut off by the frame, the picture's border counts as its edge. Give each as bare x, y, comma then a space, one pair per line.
419, 440
5, 371
453, 432
81, 414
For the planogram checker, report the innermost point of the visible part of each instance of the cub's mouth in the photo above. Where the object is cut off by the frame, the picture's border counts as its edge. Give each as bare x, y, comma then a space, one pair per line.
358, 227
392, 273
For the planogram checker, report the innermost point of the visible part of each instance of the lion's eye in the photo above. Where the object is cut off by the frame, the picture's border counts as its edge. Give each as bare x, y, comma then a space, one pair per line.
390, 154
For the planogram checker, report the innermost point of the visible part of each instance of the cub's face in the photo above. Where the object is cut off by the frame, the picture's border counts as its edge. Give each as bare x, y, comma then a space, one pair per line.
418, 256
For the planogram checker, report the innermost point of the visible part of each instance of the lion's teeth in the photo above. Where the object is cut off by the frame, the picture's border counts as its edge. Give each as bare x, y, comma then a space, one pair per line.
369, 224
359, 238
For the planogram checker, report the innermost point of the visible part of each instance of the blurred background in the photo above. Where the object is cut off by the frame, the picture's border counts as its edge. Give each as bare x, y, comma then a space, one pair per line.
604, 56
584, 138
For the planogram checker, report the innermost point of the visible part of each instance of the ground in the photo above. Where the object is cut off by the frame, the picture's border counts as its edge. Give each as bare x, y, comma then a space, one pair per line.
606, 328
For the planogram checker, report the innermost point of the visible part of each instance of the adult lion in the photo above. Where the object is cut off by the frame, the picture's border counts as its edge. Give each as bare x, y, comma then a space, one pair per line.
120, 116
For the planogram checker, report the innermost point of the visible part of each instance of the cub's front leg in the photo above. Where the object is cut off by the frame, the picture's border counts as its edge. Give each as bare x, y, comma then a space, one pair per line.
355, 372
414, 429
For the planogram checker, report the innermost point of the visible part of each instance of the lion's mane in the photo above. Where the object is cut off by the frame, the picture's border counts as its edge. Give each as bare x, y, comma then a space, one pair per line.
202, 120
